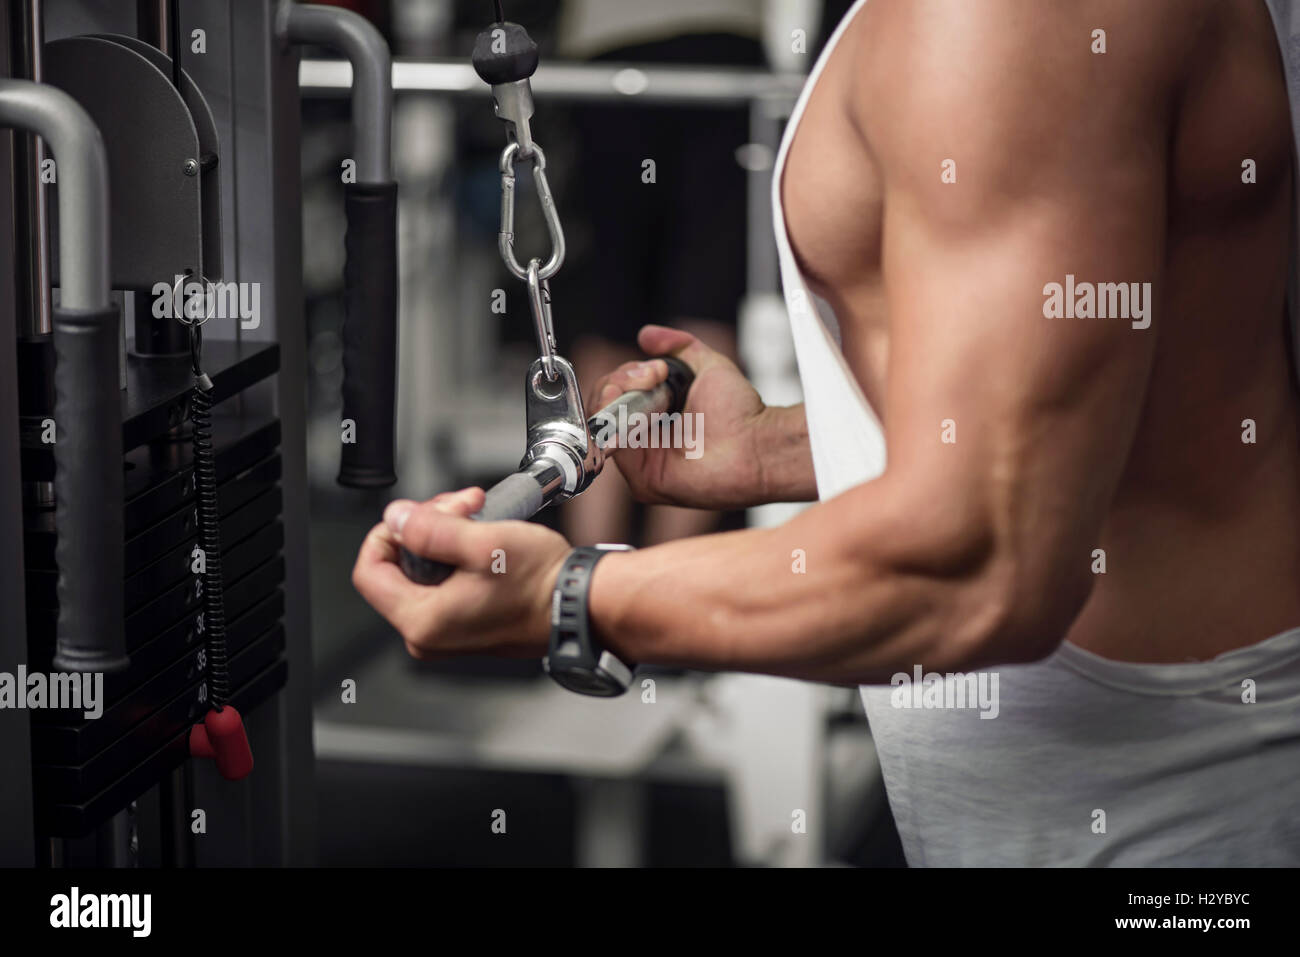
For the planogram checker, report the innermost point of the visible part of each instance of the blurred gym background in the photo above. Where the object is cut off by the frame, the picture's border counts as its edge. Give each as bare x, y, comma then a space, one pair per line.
717, 770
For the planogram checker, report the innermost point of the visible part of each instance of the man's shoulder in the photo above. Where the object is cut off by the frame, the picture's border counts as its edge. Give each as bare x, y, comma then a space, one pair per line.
1026, 78
1036, 53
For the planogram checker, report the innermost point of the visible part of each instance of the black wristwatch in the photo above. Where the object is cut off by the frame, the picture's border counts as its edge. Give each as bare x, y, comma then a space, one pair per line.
576, 659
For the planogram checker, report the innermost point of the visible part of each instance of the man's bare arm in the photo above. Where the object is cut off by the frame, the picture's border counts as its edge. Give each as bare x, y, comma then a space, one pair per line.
977, 551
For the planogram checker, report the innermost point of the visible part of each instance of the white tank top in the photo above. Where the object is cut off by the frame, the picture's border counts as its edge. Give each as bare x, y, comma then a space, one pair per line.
1088, 761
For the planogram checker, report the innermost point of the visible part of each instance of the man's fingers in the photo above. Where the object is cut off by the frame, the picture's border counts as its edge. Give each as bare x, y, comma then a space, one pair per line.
380, 544
609, 387
443, 531
376, 575
662, 341
466, 501
657, 341
641, 374
396, 513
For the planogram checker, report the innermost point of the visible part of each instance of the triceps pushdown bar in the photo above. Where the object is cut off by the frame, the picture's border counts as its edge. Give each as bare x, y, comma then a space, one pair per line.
565, 451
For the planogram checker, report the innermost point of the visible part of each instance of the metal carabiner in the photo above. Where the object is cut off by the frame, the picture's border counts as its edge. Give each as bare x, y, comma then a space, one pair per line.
539, 298
506, 237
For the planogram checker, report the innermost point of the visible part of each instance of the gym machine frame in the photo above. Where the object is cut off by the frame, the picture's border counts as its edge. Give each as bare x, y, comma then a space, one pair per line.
111, 232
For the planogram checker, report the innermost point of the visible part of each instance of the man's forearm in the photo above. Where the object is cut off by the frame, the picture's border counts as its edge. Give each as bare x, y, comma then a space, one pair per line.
833, 595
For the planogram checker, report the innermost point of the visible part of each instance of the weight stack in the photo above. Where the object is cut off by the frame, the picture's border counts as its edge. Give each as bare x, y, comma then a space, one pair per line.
87, 769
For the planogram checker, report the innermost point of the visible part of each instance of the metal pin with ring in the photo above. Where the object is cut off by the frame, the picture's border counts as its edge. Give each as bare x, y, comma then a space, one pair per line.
196, 324
178, 299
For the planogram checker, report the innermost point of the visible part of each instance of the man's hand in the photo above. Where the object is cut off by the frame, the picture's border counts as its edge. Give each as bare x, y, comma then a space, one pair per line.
498, 600
751, 453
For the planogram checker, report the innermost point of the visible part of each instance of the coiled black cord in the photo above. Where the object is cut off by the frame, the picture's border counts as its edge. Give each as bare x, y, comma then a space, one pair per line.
205, 471
205, 491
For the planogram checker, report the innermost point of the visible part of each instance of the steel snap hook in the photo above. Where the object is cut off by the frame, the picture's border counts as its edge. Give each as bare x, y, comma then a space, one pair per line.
506, 236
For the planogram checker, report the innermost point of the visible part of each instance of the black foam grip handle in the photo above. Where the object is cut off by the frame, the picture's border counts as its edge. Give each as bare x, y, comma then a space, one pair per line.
88, 493
680, 379
504, 53
370, 335
424, 571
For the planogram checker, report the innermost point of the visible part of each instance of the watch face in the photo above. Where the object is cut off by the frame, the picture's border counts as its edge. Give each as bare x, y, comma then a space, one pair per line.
587, 681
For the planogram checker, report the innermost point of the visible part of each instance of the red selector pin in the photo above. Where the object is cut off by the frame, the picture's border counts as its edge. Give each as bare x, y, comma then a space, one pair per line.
221, 736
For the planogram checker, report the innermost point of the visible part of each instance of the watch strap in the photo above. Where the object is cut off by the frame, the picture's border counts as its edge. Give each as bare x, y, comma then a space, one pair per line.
575, 658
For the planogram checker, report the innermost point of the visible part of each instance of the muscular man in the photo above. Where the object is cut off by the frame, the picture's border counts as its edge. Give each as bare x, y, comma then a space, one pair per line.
1105, 512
